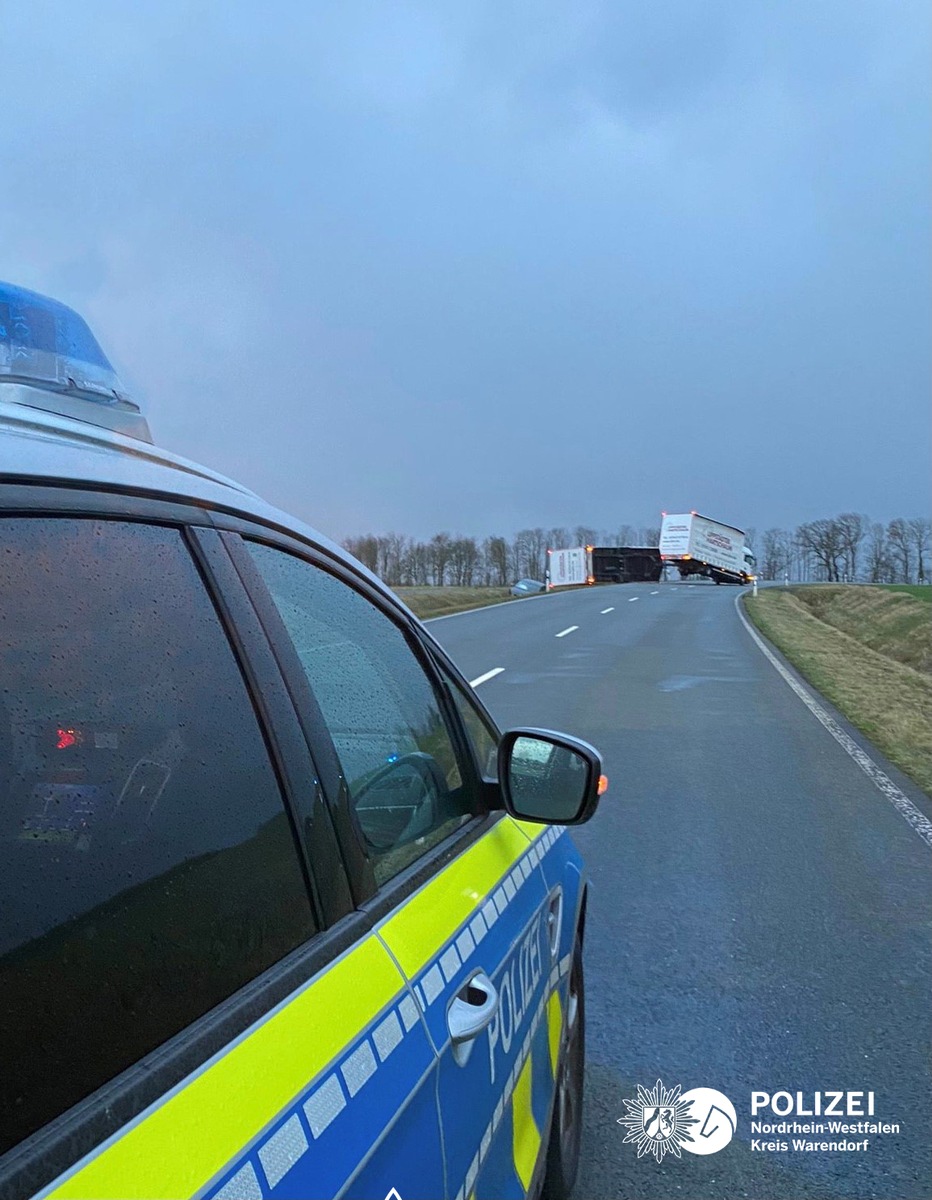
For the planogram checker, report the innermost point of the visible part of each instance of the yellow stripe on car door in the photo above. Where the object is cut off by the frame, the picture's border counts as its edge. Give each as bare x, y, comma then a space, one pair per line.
416, 932
177, 1147
526, 1135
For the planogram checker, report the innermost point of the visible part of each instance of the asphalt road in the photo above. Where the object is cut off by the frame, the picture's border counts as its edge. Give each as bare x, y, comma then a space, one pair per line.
760, 915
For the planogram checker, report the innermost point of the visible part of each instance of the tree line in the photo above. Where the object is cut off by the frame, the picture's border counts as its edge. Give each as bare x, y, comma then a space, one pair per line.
494, 561
849, 547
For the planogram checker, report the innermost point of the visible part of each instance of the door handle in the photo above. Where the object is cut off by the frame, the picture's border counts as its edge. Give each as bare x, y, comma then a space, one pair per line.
472, 1010
555, 922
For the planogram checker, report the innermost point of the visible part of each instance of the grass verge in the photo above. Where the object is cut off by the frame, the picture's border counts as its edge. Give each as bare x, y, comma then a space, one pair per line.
919, 591
870, 657
440, 601
893, 622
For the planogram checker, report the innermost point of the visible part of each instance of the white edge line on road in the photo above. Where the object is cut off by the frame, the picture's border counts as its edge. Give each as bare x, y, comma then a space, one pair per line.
566, 631
902, 803
605, 610
631, 599
484, 678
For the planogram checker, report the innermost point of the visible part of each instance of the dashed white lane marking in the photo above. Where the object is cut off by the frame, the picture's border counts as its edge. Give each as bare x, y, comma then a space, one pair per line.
488, 675
902, 803
566, 631
605, 610
631, 599
655, 593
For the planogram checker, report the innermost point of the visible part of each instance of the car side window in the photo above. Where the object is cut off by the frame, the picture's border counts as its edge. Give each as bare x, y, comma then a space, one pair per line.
147, 864
382, 711
483, 736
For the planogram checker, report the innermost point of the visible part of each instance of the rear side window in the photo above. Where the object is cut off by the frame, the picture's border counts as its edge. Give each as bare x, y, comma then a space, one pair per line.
380, 708
147, 866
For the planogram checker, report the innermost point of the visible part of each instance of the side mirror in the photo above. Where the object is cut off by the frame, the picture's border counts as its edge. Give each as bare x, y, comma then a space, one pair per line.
549, 777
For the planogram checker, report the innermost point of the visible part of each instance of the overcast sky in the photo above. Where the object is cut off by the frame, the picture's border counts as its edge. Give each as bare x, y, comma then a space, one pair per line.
479, 266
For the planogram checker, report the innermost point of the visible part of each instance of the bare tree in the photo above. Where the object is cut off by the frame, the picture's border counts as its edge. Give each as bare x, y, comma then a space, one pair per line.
627, 535
537, 543
530, 551
365, 548
900, 546
649, 535
393, 549
420, 564
822, 540
584, 536
464, 558
559, 539
497, 557
775, 553
920, 531
877, 566
440, 551
521, 553
852, 529
800, 559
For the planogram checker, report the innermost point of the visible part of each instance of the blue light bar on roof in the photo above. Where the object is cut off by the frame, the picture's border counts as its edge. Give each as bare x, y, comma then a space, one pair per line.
45, 345
46, 342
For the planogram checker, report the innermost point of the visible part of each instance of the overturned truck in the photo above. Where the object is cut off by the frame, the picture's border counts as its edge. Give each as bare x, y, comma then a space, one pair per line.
626, 564
603, 564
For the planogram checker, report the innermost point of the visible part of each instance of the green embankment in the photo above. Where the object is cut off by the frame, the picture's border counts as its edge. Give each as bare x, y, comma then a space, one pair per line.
869, 651
439, 601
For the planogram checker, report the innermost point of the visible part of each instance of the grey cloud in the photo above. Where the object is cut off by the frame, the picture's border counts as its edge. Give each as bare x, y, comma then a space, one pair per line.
493, 265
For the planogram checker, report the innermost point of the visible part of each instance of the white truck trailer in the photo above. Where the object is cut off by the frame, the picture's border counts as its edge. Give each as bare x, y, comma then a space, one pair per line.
603, 564
566, 567
697, 545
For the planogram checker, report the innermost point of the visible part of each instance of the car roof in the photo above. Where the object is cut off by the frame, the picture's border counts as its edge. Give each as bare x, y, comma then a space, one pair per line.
45, 448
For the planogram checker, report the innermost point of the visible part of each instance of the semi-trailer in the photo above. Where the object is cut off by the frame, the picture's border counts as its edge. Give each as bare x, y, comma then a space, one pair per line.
603, 564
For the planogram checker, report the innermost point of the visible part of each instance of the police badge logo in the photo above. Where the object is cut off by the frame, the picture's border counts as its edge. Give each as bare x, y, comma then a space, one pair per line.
658, 1121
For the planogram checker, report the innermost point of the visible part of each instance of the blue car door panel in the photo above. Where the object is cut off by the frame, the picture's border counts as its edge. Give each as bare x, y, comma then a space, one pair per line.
495, 1091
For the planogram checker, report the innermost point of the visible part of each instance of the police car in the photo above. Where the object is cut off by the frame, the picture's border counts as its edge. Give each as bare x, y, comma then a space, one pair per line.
282, 912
